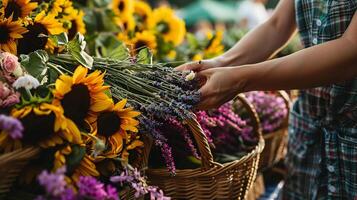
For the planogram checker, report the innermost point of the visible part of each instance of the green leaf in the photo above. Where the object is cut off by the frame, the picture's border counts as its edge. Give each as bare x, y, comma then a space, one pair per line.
35, 63
76, 49
62, 39
109, 46
144, 56
73, 159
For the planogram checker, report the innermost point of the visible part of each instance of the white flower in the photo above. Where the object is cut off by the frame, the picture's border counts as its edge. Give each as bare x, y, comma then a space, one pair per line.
27, 81
190, 76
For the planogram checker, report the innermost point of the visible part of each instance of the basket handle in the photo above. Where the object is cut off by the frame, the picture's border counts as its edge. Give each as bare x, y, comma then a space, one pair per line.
201, 139
283, 94
252, 114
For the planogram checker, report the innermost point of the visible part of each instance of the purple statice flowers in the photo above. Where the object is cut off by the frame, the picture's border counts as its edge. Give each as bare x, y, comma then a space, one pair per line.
56, 188
11, 126
134, 178
271, 109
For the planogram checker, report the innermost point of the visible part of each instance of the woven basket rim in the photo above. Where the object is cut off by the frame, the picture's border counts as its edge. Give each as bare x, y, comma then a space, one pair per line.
217, 169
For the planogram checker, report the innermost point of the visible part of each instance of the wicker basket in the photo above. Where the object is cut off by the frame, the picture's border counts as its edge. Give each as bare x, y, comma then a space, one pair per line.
213, 180
275, 142
11, 165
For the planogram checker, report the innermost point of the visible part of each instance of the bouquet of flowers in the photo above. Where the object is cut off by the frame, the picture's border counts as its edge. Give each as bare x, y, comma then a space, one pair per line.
75, 123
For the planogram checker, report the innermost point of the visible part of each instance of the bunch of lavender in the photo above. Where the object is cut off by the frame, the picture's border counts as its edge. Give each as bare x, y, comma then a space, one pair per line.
134, 178
271, 109
160, 93
56, 188
227, 132
183, 147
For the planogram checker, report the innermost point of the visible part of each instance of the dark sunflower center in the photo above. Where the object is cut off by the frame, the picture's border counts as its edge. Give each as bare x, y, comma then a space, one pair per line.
125, 25
4, 34
13, 9
108, 124
121, 6
38, 127
140, 44
34, 39
73, 30
163, 27
76, 103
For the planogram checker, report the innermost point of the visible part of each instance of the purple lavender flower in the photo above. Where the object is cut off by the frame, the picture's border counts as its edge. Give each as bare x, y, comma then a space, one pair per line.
54, 183
167, 154
122, 178
91, 188
11, 126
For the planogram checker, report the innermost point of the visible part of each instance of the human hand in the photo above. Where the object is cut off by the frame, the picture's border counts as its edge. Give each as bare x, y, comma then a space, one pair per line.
220, 86
197, 66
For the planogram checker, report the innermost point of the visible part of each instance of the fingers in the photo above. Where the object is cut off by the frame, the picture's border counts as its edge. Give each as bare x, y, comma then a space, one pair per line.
194, 66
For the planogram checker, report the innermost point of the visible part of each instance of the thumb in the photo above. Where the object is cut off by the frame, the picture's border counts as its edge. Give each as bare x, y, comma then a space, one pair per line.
204, 78
194, 66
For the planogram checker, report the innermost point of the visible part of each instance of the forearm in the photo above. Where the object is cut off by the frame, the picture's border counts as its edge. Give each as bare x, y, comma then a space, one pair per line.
265, 40
324, 64
257, 46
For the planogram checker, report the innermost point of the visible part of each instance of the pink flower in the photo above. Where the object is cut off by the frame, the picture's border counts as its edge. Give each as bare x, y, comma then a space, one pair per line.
4, 90
9, 62
8, 96
11, 100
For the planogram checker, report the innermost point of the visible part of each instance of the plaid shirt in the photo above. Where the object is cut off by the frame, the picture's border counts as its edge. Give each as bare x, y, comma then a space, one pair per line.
322, 150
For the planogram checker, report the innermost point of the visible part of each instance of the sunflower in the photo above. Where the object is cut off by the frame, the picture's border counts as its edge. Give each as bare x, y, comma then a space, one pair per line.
214, 47
10, 31
112, 125
75, 23
143, 39
131, 145
83, 165
168, 25
142, 14
123, 8
44, 124
55, 7
37, 36
81, 95
18, 8
126, 24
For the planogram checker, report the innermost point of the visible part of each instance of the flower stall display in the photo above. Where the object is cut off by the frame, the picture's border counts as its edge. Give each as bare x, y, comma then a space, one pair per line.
69, 93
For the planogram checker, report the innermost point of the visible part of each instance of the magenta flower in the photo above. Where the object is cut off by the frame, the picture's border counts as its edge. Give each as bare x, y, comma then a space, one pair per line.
90, 187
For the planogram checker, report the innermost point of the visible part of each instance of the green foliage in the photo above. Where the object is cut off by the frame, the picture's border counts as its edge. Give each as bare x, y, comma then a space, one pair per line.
35, 63
76, 48
144, 56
